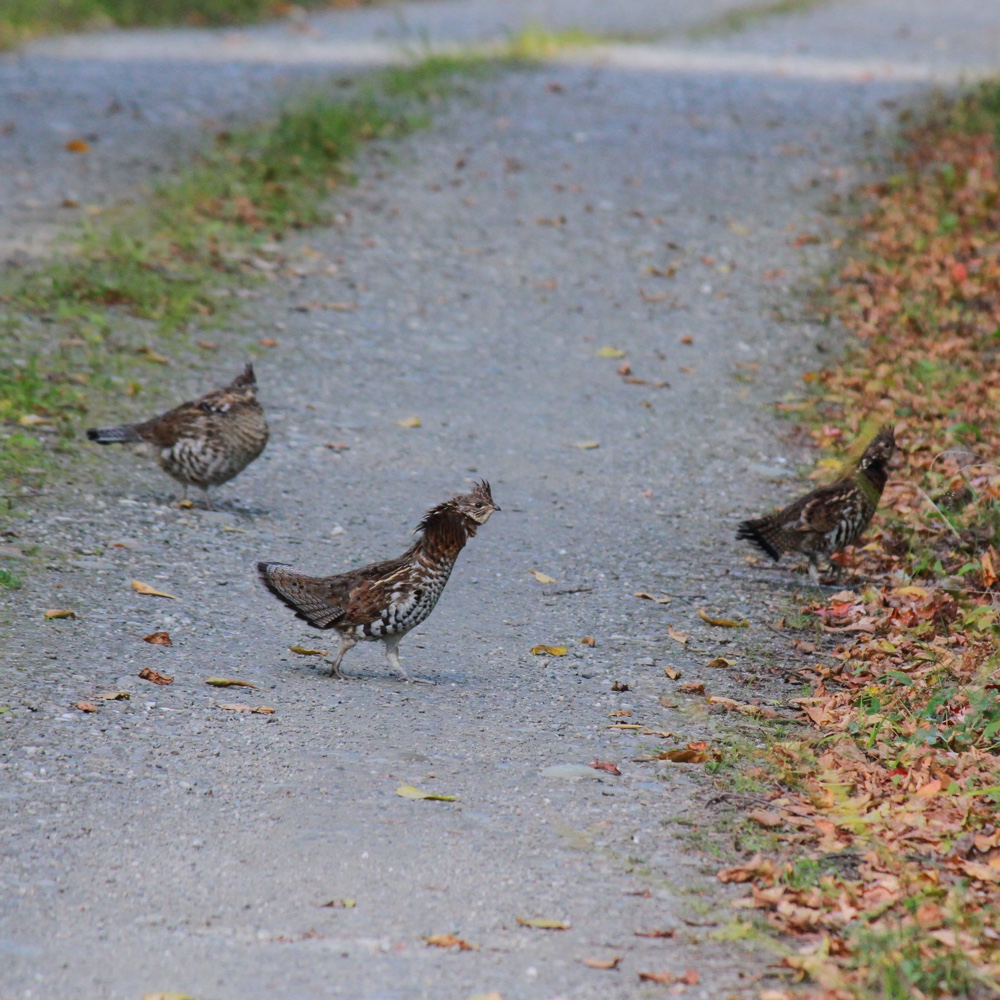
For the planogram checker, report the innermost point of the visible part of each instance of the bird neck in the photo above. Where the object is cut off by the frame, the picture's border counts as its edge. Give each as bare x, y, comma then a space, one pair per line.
875, 475
445, 533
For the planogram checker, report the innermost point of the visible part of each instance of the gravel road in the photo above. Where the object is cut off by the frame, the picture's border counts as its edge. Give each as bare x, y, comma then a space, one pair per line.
165, 843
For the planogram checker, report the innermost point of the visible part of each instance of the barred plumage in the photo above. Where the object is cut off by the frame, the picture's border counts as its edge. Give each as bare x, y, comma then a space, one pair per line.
385, 600
205, 442
830, 517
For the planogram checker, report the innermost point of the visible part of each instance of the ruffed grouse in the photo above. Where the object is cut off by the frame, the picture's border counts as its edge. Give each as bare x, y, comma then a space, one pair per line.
829, 517
205, 442
385, 600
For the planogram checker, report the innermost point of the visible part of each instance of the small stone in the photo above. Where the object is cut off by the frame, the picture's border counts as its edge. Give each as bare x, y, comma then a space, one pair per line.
569, 772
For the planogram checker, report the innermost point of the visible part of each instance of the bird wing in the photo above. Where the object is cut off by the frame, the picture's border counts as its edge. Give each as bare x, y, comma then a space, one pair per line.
820, 511
184, 421
373, 589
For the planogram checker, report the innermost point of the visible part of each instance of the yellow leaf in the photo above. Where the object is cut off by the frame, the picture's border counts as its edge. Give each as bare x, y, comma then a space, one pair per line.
408, 422
542, 577
225, 682
150, 355
58, 613
672, 672
677, 636
115, 696
602, 963
78, 146
548, 650
409, 792
586, 445
302, 651
722, 622
649, 597
544, 924
340, 904
450, 941
611, 352
33, 420
253, 710
144, 588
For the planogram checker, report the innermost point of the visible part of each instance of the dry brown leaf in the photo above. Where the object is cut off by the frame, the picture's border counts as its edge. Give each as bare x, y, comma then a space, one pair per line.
58, 613
226, 682
87, 706
677, 636
602, 963
252, 709
409, 792
672, 672
144, 588
78, 146
268, 342
542, 577
115, 696
605, 765
158, 639
692, 687
765, 818
663, 599
659, 933
685, 756
450, 941
149, 674
663, 978
588, 640
722, 622
721, 661
756, 867
543, 923
620, 714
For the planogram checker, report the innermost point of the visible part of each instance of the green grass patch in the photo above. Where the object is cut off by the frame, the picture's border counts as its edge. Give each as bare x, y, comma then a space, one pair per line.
8, 581
24, 19
733, 21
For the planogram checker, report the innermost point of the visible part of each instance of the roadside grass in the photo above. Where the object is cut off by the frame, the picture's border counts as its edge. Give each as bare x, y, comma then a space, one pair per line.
734, 21
106, 319
21, 20
899, 780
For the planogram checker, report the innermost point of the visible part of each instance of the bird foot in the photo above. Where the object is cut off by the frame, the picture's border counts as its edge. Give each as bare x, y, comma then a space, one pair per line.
415, 680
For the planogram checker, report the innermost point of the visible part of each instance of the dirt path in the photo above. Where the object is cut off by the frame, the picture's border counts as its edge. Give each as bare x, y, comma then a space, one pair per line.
167, 844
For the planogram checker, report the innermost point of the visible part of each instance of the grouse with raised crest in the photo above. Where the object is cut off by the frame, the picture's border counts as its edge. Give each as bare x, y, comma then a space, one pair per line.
386, 600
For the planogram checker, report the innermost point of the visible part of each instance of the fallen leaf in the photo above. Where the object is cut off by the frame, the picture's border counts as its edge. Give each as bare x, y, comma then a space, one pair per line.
692, 687
672, 672
225, 682
115, 696
693, 753
144, 588
602, 963
158, 639
804, 239
586, 445
662, 599
33, 420
756, 867
690, 977
492, 995
764, 818
252, 709
611, 352
337, 445
605, 765
409, 422
542, 577
87, 706
720, 661
588, 640
664, 933
548, 650
303, 651
665, 702
409, 792
677, 636
544, 924
450, 941
56, 613
722, 622
149, 354
339, 904
78, 146
620, 715
149, 674
618, 686
663, 978
269, 342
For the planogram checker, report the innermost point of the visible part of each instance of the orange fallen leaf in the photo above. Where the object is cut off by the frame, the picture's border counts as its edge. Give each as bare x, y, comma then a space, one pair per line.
663, 978
268, 342
672, 672
765, 818
225, 682
58, 613
158, 639
144, 588
606, 765
720, 661
548, 650
87, 706
149, 674
756, 867
692, 687
677, 636
662, 599
78, 146
588, 640
659, 933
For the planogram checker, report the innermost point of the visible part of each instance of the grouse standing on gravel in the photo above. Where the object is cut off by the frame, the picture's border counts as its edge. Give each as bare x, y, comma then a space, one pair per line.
829, 517
205, 442
384, 601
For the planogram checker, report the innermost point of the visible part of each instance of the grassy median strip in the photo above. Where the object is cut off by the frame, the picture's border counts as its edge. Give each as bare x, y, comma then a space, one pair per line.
888, 871
105, 318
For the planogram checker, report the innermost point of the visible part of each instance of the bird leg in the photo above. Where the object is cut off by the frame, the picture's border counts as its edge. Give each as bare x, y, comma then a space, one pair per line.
392, 656
208, 499
346, 642
814, 568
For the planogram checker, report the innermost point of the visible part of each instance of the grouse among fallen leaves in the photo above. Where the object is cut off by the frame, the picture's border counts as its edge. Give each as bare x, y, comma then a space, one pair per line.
829, 517
384, 601
205, 442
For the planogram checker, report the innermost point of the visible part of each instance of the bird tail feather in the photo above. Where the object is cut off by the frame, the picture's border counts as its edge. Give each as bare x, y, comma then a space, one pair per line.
121, 434
763, 534
303, 594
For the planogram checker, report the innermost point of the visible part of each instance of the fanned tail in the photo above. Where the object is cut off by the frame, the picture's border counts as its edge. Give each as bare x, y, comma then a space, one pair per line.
303, 594
763, 533
122, 434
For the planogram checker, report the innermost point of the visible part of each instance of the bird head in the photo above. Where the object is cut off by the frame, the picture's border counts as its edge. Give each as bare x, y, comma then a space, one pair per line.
477, 506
